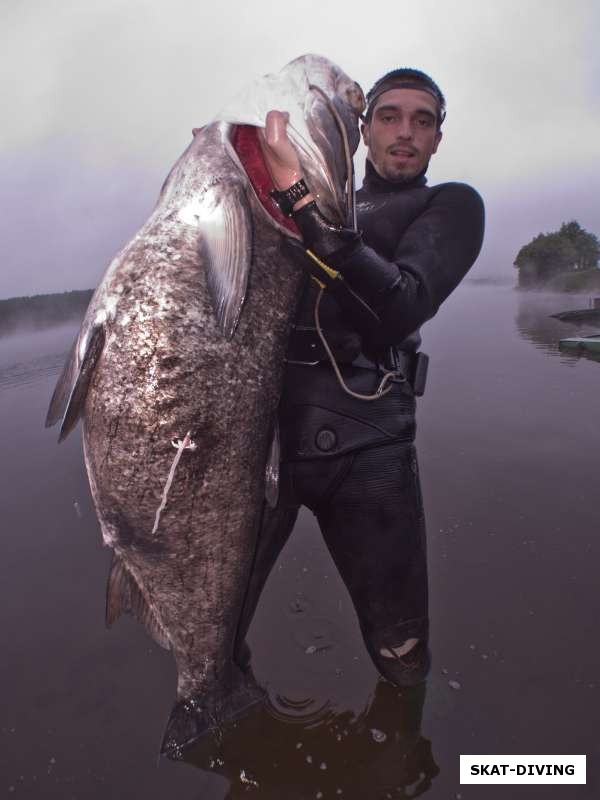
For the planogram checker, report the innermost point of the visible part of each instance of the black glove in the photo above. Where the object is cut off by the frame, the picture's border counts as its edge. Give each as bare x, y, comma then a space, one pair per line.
344, 251
354, 307
321, 236
380, 298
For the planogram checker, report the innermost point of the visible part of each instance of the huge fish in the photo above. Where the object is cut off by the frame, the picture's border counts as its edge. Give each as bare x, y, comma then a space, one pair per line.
176, 375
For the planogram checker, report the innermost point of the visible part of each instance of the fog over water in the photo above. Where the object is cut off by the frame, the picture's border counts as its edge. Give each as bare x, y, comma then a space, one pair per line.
108, 93
507, 440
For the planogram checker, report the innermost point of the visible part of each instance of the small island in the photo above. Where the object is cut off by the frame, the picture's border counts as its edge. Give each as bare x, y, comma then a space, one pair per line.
564, 260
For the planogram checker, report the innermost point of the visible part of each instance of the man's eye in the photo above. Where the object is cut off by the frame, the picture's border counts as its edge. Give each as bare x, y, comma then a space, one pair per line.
424, 122
388, 118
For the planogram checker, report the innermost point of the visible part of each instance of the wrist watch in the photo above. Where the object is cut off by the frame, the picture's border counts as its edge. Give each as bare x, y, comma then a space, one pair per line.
287, 199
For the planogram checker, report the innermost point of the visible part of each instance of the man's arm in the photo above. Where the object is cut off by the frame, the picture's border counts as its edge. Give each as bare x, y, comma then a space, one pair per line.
433, 256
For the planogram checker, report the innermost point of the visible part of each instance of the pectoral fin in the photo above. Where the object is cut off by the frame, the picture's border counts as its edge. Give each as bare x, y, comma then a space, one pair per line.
71, 389
225, 222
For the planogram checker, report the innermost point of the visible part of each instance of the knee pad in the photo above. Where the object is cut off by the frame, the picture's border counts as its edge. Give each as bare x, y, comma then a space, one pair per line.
405, 670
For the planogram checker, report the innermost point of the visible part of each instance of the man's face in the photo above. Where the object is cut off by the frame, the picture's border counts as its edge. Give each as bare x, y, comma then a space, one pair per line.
402, 134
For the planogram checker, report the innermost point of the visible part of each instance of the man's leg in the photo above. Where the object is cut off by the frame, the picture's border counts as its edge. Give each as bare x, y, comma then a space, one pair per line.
375, 529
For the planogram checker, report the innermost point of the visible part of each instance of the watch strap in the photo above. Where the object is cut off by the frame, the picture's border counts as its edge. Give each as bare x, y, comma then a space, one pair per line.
287, 199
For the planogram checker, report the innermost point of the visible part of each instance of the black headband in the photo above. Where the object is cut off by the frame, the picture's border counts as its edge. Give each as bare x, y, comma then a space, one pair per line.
401, 83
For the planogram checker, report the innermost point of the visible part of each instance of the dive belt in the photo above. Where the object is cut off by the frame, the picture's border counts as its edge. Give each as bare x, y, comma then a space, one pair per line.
306, 349
318, 420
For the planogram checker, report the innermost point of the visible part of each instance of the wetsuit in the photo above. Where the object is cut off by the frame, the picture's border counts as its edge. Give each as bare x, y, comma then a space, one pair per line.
351, 461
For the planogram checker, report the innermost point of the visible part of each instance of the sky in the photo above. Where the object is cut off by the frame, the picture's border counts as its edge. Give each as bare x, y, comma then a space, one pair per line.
100, 97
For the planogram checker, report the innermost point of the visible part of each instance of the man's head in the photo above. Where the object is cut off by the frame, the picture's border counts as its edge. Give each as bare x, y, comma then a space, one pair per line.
405, 111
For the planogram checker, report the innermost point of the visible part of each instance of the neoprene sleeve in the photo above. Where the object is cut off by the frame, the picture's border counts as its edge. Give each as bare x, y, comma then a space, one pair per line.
432, 256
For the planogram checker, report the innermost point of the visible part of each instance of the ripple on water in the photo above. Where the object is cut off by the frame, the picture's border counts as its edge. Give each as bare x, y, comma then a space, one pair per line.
26, 373
308, 712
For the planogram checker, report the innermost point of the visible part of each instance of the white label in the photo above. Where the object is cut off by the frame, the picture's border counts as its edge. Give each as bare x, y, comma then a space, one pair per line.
522, 769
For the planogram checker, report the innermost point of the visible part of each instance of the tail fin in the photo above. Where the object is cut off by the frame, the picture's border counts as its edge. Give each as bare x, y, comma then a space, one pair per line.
195, 717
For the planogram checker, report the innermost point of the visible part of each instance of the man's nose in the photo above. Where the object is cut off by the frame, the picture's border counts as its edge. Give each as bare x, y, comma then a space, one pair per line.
404, 129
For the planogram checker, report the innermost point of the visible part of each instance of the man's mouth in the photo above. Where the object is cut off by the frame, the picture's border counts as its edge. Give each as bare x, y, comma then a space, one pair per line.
399, 151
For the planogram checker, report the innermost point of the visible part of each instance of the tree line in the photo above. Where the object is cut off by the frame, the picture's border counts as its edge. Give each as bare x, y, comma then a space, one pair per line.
570, 249
42, 310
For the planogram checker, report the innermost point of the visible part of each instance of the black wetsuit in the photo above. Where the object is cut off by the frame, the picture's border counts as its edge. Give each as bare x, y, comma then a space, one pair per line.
351, 461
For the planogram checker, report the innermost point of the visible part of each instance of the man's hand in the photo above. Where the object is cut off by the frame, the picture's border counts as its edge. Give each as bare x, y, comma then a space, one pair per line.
280, 154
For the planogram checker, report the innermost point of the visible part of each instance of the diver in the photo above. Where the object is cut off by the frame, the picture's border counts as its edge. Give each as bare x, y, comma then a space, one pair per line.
354, 369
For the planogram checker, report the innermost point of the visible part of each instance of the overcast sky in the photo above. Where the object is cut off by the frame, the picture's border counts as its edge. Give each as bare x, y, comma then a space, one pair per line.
100, 96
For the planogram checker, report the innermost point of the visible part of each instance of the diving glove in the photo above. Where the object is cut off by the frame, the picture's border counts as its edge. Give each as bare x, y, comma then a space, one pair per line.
344, 252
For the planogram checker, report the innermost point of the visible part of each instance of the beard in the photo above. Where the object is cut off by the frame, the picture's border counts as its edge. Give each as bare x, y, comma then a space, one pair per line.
394, 176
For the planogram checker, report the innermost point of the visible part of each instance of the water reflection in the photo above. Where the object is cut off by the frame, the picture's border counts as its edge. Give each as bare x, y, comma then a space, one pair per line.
277, 751
535, 322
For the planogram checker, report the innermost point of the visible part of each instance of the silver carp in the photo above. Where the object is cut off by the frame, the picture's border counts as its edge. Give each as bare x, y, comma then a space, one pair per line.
176, 375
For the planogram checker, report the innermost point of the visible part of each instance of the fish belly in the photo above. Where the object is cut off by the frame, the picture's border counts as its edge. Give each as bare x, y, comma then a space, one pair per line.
177, 426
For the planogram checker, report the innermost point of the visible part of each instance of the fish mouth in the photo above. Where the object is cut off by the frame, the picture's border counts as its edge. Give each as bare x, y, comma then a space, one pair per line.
325, 155
311, 89
324, 107
245, 142
350, 196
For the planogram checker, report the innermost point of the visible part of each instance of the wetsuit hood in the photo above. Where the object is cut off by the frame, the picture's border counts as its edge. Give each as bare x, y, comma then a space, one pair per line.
373, 181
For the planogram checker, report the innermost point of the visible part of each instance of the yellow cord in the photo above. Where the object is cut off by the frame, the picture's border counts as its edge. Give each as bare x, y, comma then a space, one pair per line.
383, 388
328, 270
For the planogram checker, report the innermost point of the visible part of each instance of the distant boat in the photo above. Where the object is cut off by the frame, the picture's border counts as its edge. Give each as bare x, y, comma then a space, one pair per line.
590, 344
579, 315
591, 314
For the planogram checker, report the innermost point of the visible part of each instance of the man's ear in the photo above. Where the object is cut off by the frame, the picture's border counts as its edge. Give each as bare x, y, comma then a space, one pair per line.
364, 129
438, 139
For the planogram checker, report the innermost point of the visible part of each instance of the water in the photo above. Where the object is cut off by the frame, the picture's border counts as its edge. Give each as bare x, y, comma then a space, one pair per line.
508, 442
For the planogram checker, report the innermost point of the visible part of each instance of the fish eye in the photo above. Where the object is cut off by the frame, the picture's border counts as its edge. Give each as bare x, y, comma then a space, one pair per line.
357, 98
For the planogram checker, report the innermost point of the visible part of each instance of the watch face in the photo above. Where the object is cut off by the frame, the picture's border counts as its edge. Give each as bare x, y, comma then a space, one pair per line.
288, 197
298, 190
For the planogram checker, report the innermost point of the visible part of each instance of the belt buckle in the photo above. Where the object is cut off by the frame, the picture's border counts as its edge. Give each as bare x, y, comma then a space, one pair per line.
393, 358
304, 329
397, 376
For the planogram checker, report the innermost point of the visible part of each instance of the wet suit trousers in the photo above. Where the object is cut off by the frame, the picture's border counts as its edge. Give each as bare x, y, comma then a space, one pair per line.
369, 507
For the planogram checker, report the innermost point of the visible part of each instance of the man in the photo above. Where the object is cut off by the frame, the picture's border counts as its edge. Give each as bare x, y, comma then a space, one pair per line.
347, 410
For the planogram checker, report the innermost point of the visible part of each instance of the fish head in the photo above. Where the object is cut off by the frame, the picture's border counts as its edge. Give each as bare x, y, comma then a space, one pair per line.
328, 135
324, 107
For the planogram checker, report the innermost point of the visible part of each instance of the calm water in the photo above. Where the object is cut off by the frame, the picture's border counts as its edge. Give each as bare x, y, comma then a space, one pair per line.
508, 446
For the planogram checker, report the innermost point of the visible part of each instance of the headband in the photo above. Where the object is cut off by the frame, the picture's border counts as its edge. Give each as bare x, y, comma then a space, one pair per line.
402, 83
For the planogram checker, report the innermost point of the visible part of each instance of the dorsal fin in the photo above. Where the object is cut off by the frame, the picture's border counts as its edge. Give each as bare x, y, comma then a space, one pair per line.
123, 595
72, 386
